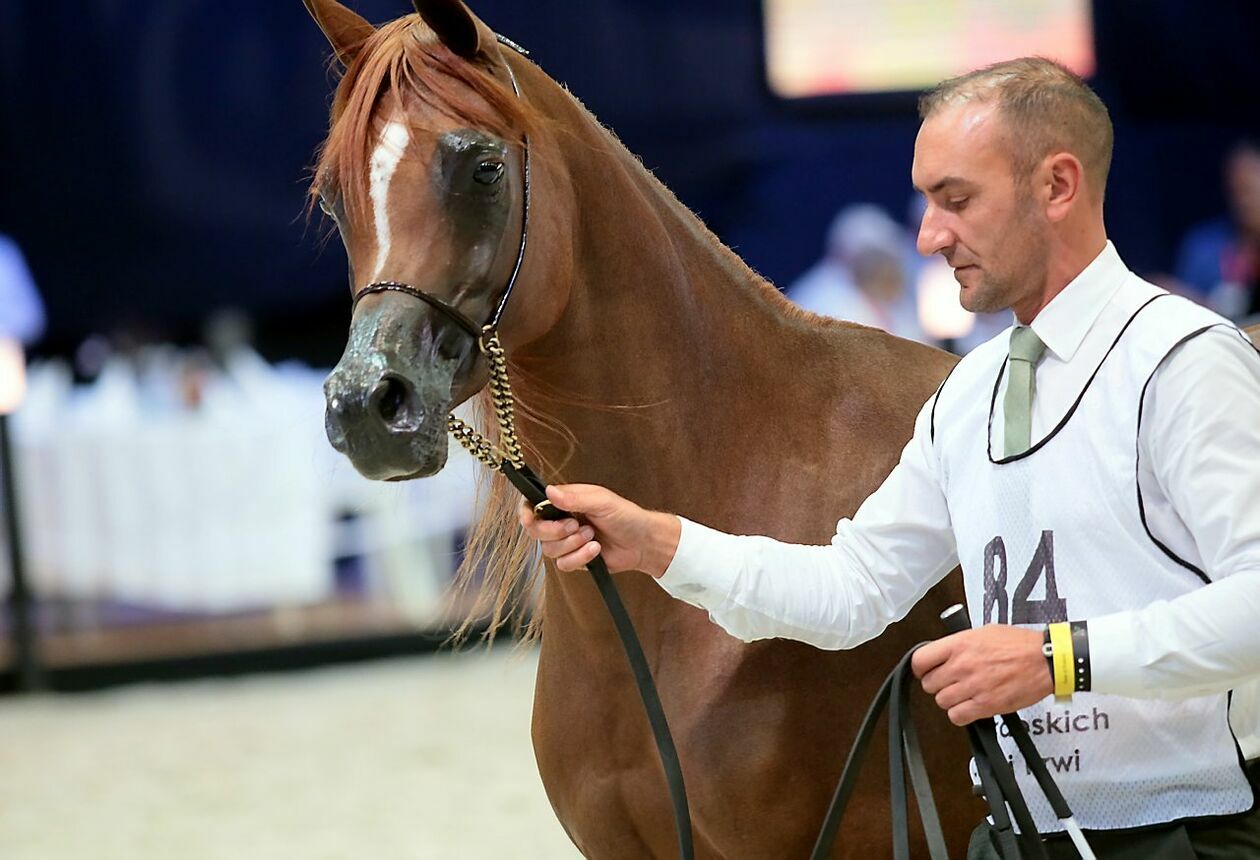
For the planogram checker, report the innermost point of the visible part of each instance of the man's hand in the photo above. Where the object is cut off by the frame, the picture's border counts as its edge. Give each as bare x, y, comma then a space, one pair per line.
981, 673
630, 537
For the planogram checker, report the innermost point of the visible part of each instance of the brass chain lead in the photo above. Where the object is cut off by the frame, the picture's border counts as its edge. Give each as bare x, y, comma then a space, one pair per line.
502, 401
473, 442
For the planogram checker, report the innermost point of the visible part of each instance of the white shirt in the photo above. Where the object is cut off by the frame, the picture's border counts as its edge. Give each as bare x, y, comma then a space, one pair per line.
1200, 440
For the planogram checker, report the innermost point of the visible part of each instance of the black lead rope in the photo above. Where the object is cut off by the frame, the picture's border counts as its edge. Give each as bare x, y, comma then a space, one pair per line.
997, 776
901, 737
1001, 790
534, 491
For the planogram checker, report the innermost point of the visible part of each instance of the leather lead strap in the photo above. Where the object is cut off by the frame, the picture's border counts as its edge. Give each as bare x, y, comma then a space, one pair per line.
532, 488
903, 745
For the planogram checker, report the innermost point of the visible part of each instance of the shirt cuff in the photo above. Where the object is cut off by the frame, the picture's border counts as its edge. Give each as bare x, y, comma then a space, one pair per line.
699, 566
1115, 655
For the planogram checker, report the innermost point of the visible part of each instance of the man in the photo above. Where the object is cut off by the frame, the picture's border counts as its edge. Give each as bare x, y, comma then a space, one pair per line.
1099, 464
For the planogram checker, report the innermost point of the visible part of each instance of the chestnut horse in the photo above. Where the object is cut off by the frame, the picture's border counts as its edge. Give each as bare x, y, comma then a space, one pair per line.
649, 358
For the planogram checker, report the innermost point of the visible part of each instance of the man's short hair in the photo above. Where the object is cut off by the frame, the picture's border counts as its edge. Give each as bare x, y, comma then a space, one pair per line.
1045, 108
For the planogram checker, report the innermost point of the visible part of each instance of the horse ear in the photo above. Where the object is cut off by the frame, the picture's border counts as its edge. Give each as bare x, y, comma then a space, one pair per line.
457, 27
345, 30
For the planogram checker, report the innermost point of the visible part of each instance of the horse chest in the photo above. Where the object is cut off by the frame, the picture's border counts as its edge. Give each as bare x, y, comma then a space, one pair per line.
743, 745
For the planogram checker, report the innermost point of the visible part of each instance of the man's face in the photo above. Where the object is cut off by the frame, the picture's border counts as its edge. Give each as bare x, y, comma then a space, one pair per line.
983, 221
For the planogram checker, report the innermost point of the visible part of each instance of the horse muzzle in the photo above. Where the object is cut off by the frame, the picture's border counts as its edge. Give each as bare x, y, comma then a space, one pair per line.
387, 400
383, 427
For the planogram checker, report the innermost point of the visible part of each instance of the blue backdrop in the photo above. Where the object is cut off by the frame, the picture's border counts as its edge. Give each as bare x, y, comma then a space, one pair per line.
153, 154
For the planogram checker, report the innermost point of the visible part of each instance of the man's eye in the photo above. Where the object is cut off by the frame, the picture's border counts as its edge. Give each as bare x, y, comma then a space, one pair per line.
957, 203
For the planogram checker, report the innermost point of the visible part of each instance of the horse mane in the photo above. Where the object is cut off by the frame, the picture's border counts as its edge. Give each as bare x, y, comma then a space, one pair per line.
405, 61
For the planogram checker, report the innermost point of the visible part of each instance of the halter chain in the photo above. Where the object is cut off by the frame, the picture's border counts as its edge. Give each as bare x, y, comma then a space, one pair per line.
503, 402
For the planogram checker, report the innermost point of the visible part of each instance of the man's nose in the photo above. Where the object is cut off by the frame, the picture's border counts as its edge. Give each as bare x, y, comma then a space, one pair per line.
933, 237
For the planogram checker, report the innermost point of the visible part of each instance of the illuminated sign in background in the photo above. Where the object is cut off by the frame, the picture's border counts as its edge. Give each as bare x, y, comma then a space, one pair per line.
836, 47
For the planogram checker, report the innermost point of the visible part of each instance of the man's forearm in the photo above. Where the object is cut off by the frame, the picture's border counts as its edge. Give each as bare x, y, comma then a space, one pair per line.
1207, 641
758, 588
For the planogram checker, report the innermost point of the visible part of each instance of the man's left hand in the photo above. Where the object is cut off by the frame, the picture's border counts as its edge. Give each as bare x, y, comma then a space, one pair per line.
980, 673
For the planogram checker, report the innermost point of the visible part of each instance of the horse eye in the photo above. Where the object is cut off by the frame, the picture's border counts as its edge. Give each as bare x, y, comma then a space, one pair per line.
488, 172
327, 210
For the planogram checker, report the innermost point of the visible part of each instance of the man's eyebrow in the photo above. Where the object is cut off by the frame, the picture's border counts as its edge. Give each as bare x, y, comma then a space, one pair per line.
942, 184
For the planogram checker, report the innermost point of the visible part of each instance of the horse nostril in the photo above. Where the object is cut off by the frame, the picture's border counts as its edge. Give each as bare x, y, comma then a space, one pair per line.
391, 399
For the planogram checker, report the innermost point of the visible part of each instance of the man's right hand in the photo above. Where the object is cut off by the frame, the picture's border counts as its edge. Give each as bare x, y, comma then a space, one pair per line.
630, 537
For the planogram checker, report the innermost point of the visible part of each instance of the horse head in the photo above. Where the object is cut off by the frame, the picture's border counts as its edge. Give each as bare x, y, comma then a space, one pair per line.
425, 173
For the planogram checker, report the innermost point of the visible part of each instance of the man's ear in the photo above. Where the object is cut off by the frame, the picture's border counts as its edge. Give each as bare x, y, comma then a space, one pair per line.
345, 30
1065, 183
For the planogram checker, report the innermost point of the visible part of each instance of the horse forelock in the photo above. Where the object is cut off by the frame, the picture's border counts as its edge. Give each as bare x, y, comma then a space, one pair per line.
404, 73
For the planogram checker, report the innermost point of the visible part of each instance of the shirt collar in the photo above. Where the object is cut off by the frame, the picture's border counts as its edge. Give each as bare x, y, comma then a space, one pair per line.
1063, 324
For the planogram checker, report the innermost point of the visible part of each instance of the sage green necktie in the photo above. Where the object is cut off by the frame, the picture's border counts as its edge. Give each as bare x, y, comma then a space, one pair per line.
1026, 351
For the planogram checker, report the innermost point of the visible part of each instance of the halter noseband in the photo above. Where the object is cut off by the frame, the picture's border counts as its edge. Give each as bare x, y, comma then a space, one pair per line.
476, 332
452, 313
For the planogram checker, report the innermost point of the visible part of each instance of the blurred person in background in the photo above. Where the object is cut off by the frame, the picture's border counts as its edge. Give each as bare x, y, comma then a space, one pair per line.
21, 310
1219, 261
863, 276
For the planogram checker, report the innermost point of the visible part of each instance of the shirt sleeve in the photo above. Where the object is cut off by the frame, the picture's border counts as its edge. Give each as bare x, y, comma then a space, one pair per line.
1201, 431
898, 545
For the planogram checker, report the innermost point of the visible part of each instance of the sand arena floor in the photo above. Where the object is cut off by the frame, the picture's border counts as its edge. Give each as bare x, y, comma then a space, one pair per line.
423, 757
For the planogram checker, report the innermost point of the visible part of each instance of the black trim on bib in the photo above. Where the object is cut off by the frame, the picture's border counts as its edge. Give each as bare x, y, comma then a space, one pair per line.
1072, 411
936, 398
1137, 460
1250, 770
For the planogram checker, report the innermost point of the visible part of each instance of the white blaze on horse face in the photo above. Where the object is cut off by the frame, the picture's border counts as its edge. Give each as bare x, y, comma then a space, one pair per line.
385, 158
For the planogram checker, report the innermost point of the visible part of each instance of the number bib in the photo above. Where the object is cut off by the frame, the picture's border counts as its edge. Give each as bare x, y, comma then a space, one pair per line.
1058, 534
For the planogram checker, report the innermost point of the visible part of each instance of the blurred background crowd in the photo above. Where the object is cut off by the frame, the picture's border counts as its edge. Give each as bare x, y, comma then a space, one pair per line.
179, 510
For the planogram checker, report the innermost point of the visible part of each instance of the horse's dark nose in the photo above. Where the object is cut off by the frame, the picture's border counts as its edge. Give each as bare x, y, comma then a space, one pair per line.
384, 408
387, 399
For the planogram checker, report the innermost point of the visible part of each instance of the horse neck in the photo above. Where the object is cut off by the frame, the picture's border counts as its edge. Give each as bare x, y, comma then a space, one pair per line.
679, 378
662, 320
